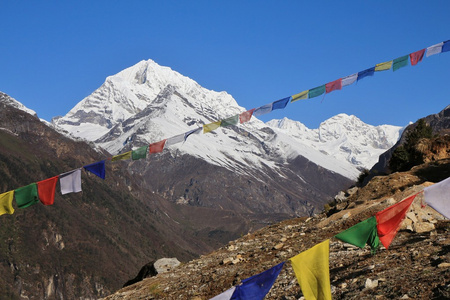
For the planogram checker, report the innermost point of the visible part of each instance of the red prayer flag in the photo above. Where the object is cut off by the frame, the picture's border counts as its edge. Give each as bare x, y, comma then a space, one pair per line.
157, 147
46, 190
246, 115
416, 57
334, 85
389, 220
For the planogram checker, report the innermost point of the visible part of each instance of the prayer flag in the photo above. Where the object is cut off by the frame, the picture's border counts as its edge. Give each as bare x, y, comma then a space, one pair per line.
446, 46
280, 104
6, 203
193, 131
383, 66
300, 96
246, 115
400, 62
126, 155
262, 110
97, 168
46, 190
70, 182
26, 196
257, 287
312, 270
175, 140
347, 80
333, 85
435, 49
157, 147
230, 121
390, 219
139, 153
363, 233
211, 126
317, 91
225, 295
366, 73
416, 57
438, 197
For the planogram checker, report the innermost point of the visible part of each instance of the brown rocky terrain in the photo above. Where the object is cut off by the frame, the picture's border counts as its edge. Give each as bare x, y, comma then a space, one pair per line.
416, 265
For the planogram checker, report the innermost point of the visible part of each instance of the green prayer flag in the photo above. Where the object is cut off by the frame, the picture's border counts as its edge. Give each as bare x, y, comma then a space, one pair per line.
230, 121
363, 233
317, 91
139, 153
400, 62
26, 196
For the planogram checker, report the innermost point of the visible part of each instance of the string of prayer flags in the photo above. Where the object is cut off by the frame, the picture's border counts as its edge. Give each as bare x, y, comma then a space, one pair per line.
281, 104
416, 57
363, 233
262, 110
317, 91
438, 197
390, 219
435, 49
257, 286
139, 153
312, 270
6, 200
70, 182
46, 190
234, 120
334, 85
97, 168
446, 46
225, 295
211, 126
400, 62
246, 116
383, 66
350, 79
26, 196
157, 147
300, 96
366, 73
126, 155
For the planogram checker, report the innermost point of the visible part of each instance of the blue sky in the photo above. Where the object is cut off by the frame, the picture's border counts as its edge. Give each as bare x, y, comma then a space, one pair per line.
55, 53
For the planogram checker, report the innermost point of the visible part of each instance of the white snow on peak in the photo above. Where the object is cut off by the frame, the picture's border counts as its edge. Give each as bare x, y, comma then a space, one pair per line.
148, 102
13, 102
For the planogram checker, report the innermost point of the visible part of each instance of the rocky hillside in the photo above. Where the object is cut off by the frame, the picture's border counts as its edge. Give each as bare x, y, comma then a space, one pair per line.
416, 265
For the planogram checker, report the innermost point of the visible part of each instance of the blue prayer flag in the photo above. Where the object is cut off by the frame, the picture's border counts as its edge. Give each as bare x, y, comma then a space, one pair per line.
365, 73
257, 287
446, 46
97, 168
280, 104
197, 130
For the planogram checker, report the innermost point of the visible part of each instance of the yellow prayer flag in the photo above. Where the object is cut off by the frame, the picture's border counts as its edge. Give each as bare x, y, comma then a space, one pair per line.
6, 203
312, 270
300, 96
383, 66
126, 155
211, 126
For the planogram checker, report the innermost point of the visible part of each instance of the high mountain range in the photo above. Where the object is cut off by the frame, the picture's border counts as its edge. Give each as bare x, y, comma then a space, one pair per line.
185, 201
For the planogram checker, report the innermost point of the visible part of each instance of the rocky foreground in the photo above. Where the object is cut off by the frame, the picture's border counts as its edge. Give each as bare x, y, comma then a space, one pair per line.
416, 265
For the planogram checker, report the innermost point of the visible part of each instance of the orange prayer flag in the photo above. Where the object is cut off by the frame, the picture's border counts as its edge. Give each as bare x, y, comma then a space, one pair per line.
389, 220
46, 190
157, 147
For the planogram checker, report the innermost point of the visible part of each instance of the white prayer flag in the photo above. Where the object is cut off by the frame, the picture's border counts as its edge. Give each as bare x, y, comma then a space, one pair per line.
349, 79
175, 140
435, 49
438, 197
225, 295
70, 182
